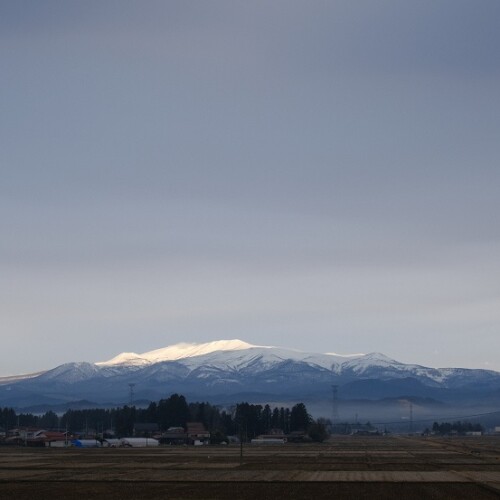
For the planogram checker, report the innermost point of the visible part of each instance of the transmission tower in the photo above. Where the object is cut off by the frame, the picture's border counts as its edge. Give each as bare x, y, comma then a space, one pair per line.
335, 409
131, 393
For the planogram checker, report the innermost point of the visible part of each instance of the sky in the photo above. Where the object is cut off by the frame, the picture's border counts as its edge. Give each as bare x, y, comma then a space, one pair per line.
319, 175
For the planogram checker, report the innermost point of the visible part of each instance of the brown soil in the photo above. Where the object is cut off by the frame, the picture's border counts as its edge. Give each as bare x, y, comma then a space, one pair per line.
344, 468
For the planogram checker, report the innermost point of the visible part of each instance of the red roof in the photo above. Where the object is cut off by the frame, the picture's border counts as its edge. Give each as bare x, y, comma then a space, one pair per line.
52, 436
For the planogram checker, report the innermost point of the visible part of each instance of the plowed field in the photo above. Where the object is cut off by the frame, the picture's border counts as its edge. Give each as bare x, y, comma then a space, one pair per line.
377, 467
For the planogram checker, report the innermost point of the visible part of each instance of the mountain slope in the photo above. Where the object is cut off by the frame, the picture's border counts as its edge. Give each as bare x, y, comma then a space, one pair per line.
227, 368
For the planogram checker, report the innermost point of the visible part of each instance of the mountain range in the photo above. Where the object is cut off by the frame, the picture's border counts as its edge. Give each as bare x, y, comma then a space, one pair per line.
228, 371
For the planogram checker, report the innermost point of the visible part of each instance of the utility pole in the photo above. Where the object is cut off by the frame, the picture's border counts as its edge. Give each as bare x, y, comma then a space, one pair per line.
241, 441
411, 417
241, 448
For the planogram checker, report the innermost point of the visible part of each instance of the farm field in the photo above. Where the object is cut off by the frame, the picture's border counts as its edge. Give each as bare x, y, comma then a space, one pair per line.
346, 467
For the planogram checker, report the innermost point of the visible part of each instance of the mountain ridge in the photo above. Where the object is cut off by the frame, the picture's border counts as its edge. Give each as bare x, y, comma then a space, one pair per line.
225, 368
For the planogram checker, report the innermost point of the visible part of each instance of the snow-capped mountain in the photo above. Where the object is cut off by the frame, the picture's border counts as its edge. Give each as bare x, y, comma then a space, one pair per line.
237, 355
234, 370
176, 351
224, 354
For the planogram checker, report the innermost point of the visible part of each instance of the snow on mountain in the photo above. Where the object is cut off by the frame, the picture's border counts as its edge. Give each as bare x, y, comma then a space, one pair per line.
382, 366
185, 350
236, 355
125, 358
71, 372
232, 356
229, 354
224, 357
175, 352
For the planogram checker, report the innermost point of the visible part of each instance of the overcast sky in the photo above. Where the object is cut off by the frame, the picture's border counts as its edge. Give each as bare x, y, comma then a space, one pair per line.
321, 175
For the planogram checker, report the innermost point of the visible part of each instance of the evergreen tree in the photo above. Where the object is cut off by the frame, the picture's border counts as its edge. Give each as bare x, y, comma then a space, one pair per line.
8, 418
49, 420
172, 412
275, 419
299, 418
266, 419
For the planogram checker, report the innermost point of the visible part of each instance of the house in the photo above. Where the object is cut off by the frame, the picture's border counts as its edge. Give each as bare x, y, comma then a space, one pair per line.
52, 439
174, 436
145, 429
298, 437
197, 434
34, 437
23, 435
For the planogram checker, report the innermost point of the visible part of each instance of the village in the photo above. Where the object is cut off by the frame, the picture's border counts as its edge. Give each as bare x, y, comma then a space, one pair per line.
144, 435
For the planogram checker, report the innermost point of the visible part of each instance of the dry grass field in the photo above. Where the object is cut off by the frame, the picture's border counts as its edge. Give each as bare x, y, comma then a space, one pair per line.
374, 467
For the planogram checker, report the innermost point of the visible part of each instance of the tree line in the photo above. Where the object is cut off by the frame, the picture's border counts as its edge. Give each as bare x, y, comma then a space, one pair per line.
245, 420
445, 428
